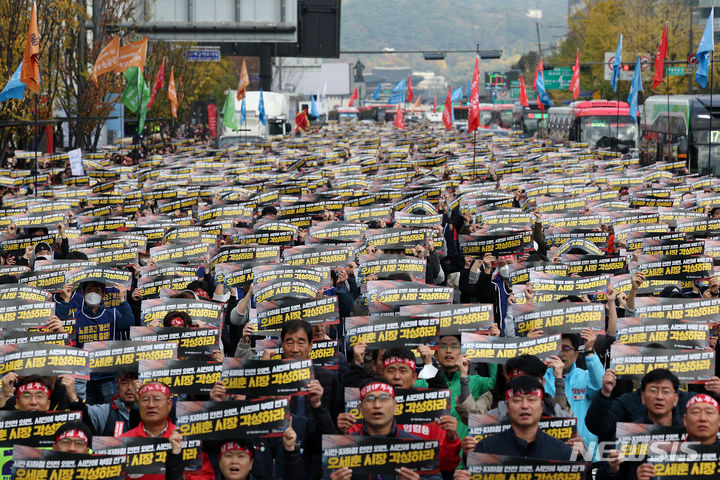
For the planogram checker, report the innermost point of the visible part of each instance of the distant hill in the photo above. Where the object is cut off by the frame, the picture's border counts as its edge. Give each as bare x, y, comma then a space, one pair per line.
449, 24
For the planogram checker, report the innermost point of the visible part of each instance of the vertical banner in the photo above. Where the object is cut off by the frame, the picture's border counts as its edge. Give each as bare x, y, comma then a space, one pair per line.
212, 119
49, 139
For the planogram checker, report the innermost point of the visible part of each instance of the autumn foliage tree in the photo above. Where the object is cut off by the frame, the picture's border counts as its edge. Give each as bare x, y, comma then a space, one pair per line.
595, 29
55, 20
68, 50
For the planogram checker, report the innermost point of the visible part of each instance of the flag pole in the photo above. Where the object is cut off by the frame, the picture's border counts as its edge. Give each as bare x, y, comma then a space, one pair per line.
712, 59
477, 54
617, 118
36, 144
667, 97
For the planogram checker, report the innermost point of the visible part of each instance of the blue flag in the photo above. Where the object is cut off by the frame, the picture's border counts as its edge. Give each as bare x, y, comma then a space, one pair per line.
313, 107
398, 95
456, 95
396, 98
261, 110
242, 111
14, 88
540, 88
376, 93
469, 87
617, 61
707, 45
635, 87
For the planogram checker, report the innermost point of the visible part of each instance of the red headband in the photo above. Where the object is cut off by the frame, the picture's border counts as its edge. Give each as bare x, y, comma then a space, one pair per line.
537, 392
227, 446
391, 360
506, 257
154, 387
515, 373
33, 386
374, 387
702, 398
73, 433
177, 322
202, 293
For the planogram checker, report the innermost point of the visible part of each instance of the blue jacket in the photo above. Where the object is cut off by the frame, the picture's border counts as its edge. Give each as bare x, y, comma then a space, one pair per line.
606, 412
67, 310
581, 386
120, 321
507, 443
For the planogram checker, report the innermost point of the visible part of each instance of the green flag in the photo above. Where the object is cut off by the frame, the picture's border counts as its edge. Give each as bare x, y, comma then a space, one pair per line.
229, 120
136, 95
144, 102
131, 95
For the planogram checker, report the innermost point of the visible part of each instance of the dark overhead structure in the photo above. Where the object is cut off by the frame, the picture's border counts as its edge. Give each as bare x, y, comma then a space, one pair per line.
262, 28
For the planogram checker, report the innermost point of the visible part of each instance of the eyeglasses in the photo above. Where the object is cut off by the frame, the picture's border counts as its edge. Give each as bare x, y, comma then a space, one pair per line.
665, 391
66, 442
449, 346
147, 399
382, 398
567, 348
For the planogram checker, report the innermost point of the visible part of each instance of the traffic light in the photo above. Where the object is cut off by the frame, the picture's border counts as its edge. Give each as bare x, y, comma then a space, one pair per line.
626, 66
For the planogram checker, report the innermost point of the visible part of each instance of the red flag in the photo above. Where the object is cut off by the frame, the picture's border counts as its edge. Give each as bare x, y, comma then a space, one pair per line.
523, 93
399, 120
575, 80
447, 110
434, 104
474, 108
353, 97
301, 120
159, 83
409, 92
660, 59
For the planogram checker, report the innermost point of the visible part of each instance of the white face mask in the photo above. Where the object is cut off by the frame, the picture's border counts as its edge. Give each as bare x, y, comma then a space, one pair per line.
505, 271
93, 299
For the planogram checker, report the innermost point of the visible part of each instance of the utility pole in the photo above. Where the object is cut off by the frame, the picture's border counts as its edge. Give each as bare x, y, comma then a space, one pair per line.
537, 28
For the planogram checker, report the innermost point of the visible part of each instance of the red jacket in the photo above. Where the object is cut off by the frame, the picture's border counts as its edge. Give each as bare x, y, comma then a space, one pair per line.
205, 472
449, 451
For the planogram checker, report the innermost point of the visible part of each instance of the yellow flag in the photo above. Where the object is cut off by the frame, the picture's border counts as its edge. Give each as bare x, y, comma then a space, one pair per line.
132, 55
107, 60
30, 74
172, 94
243, 83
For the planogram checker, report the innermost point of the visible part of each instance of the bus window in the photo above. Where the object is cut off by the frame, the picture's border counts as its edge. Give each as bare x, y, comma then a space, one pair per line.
485, 117
506, 118
601, 130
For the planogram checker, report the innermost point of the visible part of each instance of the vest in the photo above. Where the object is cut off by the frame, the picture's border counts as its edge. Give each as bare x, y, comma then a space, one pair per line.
95, 329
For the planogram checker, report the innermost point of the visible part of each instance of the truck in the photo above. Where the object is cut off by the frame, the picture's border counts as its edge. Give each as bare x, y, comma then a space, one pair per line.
682, 128
252, 130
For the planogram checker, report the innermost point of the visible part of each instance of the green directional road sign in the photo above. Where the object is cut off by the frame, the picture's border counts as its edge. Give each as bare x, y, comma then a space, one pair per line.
676, 71
558, 78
